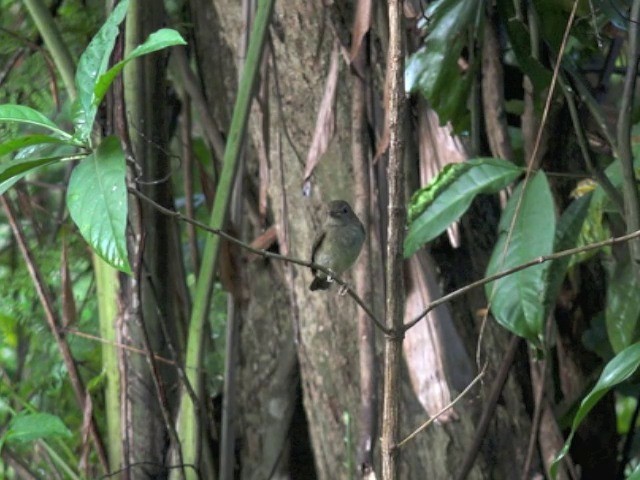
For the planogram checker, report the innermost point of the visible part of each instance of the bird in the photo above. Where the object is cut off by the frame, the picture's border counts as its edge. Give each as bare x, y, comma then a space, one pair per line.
338, 243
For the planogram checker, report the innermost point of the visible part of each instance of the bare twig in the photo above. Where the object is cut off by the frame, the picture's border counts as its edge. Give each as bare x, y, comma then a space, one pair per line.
444, 409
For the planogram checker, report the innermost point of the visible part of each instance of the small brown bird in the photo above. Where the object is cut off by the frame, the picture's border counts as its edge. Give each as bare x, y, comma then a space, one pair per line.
338, 243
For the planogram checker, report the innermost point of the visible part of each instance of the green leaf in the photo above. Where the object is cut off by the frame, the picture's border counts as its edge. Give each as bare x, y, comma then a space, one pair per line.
18, 143
434, 207
621, 367
23, 114
596, 227
11, 172
92, 64
517, 301
163, 38
97, 201
622, 307
433, 70
521, 43
28, 427
567, 233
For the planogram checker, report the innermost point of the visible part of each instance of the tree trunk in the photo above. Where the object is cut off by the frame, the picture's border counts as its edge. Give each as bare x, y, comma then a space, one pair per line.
155, 298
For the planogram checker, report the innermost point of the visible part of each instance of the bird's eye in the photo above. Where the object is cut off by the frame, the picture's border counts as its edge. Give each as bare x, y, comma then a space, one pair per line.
344, 210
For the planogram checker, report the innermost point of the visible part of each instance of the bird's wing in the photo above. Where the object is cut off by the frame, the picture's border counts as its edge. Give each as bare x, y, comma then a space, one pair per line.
316, 244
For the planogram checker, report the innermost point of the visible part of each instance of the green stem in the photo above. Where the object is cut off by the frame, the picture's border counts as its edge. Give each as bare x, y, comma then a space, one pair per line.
53, 40
188, 424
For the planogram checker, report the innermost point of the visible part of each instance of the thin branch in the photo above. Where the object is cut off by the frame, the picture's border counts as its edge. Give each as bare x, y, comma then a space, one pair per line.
460, 396
489, 408
592, 104
122, 346
358, 300
264, 253
531, 263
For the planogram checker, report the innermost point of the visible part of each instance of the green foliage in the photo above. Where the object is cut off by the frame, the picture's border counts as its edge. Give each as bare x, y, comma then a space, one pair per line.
14, 170
94, 61
97, 195
97, 202
520, 42
159, 40
619, 369
434, 71
27, 427
36, 380
530, 38
527, 231
434, 207
23, 114
35, 377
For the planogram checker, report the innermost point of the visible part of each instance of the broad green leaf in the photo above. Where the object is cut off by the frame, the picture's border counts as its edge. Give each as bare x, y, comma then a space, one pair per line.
93, 62
517, 301
433, 70
622, 307
163, 38
25, 428
14, 170
97, 201
442, 202
22, 114
18, 143
567, 233
519, 37
620, 368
